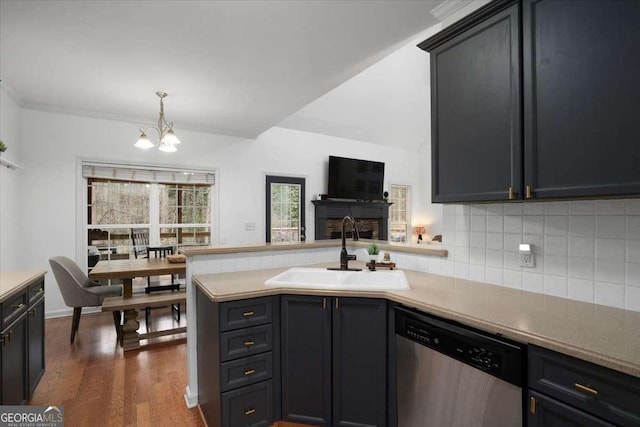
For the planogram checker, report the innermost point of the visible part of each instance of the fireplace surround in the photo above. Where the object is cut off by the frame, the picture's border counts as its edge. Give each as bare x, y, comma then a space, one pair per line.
370, 217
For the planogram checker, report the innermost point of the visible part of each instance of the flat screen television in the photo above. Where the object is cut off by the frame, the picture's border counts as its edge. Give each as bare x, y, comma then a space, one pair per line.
355, 179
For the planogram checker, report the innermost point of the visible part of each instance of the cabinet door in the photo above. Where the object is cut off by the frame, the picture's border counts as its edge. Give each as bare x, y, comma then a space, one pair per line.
476, 144
14, 363
547, 412
306, 359
35, 320
359, 362
581, 95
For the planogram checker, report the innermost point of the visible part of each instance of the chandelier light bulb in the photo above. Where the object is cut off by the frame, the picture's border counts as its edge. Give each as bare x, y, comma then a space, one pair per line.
167, 148
170, 138
143, 142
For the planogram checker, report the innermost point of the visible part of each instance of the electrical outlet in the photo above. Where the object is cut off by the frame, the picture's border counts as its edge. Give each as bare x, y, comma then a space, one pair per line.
527, 260
249, 226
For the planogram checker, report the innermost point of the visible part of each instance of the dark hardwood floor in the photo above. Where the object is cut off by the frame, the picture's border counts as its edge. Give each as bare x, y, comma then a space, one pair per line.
99, 385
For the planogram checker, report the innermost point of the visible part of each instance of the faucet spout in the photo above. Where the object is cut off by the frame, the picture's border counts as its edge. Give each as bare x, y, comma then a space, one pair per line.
345, 257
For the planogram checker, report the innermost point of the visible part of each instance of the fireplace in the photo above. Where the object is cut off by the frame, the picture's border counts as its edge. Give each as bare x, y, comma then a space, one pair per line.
372, 219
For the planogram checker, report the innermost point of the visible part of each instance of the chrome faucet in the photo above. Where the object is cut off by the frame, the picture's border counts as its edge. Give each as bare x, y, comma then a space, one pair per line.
344, 256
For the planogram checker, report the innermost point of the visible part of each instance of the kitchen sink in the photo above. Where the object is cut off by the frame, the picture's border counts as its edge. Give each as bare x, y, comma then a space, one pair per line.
321, 278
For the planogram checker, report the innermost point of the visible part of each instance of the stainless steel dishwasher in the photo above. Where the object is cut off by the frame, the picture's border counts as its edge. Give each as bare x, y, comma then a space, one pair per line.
453, 376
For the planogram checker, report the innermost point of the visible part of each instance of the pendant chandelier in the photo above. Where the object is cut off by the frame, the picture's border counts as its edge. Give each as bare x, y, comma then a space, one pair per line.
167, 139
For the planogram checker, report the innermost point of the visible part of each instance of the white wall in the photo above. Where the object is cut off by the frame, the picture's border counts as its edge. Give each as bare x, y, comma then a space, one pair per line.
54, 142
10, 184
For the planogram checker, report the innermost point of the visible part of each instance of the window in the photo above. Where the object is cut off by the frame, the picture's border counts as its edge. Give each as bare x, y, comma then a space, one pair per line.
400, 218
285, 209
120, 198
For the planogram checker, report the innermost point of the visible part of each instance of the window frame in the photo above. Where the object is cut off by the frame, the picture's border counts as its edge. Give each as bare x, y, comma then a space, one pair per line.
407, 210
274, 179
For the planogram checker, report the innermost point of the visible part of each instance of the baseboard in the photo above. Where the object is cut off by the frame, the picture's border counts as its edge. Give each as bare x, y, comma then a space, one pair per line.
190, 398
66, 312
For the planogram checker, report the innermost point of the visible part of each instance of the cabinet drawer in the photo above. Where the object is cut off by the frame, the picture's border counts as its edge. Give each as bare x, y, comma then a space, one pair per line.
245, 371
248, 406
245, 342
35, 291
549, 412
600, 391
245, 313
13, 307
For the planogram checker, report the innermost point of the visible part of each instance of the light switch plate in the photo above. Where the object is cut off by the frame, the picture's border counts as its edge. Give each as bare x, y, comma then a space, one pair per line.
249, 226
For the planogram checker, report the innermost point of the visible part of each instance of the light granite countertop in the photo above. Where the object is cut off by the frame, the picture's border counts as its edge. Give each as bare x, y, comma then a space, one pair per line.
13, 281
433, 249
603, 335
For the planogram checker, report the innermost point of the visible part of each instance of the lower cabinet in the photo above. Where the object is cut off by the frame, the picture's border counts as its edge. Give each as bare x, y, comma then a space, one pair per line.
334, 360
238, 350
22, 359
565, 391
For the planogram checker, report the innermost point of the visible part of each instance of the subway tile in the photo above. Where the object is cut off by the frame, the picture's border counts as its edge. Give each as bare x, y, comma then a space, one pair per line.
632, 298
512, 242
581, 290
478, 222
447, 268
556, 245
584, 226
493, 275
633, 207
610, 271
612, 249
533, 208
462, 238
477, 256
494, 241
449, 222
556, 265
582, 246
476, 272
463, 222
462, 210
478, 240
449, 238
556, 225
495, 258
462, 254
532, 282
611, 226
556, 208
582, 207
435, 265
449, 209
495, 224
632, 276
512, 260
513, 224
633, 251
461, 270
533, 224
478, 210
633, 227
512, 279
610, 294
554, 285
496, 210
581, 268
267, 261
513, 209
611, 207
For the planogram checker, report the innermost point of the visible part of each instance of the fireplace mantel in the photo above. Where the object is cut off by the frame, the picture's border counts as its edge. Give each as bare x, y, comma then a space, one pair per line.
336, 209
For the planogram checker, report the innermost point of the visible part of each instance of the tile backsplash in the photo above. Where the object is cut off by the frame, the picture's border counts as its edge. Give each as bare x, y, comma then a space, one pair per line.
584, 250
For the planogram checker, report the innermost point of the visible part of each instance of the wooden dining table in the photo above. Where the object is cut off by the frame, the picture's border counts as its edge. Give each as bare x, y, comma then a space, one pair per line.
126, 270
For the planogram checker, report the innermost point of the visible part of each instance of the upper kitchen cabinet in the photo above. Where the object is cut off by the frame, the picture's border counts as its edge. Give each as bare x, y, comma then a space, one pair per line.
581, 67
475, 107
570, 131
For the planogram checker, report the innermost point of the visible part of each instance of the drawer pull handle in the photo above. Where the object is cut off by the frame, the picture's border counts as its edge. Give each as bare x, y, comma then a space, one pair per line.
249, 372
250, 411
586, 389
247, 313
4, 340
511, 194
248, 343
19, 306
32, 312
532, 406
527, 192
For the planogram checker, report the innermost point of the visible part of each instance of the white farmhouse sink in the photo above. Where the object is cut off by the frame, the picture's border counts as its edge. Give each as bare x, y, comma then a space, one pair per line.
321, 278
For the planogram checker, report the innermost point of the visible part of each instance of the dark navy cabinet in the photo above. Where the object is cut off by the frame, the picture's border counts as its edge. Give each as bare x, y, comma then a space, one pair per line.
536, 99
565, 391
334, 360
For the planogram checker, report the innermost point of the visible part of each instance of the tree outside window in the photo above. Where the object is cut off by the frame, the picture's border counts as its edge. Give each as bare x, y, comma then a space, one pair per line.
399, 212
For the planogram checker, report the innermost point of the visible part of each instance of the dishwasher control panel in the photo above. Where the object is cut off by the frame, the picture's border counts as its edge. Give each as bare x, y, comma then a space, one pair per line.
491, 354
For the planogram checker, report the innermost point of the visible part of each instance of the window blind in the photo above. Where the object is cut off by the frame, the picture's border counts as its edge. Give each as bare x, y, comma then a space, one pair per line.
147, 174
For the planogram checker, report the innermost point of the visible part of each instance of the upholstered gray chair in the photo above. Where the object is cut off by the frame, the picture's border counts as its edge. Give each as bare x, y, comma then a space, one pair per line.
78, 291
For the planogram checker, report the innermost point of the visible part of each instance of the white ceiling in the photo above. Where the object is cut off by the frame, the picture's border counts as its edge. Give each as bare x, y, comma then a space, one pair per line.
232, 67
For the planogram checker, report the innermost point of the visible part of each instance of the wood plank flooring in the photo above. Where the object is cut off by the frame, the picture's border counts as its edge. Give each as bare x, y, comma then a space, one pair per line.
99, 385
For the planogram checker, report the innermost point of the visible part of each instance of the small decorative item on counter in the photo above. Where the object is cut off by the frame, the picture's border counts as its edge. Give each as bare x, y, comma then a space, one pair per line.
3, 147
387, 257
373, 249
372, 265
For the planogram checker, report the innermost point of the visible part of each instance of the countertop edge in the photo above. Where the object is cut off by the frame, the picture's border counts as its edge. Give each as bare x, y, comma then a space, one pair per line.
29, 277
